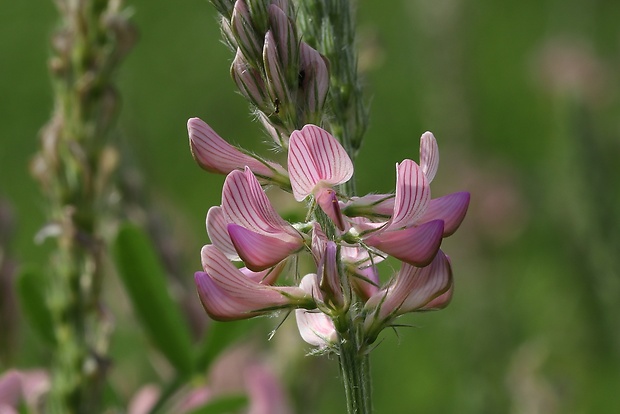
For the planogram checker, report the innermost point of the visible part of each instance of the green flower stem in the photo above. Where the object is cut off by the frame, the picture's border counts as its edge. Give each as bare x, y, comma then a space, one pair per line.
355, 369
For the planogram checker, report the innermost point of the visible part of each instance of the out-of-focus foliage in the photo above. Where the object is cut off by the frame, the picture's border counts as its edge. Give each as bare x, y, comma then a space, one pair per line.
523, 99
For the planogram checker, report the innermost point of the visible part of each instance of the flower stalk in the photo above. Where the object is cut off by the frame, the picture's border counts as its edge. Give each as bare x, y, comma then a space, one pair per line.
74, 167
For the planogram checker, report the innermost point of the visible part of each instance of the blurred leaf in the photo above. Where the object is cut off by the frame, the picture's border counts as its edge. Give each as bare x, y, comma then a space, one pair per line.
217, 337
223, 405
31, 283
145, 281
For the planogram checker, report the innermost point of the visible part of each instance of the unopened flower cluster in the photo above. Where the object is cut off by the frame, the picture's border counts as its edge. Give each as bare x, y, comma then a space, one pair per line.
346, 237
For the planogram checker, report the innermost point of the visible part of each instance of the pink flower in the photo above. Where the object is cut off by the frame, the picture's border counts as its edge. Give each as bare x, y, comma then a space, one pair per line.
315, 327
227, 293
214, 154
258, 234
316, 163
417, 224
413, 289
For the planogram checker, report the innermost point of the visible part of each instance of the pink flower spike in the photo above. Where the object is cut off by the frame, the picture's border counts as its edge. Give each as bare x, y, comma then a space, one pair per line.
245, 203
218, 232
450, 208
327, 200
413, 195
258, 251
316, 328
414, 245
429, 155
316, 159
216, 155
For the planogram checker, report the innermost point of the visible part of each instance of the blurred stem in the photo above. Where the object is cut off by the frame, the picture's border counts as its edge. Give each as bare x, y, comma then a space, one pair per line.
73, 168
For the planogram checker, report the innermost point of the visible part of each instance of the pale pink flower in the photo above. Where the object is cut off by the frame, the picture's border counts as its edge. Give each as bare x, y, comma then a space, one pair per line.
214, 154
227, 293
417, 224
316, 163
258, 234
412, 289
316, 328
265, 392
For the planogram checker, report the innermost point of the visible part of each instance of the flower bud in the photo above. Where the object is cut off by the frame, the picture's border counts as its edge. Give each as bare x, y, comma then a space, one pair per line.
287, 43
314, 85
249, 82
249, 41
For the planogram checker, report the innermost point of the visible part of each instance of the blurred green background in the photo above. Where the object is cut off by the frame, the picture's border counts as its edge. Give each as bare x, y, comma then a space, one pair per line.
523, 99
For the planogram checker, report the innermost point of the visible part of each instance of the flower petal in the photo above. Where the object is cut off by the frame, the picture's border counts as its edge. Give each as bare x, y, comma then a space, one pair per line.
258, 251
450, 208
413, 289
327, 200
429, 155
227, 294
218, 232
316, 328
316, 157
422, 285
216, 155
245, 203
413, 195
414, 245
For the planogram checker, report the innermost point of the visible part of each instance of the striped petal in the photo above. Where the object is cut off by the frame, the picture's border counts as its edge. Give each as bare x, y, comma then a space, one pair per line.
245, 203
316, 158
227, 294
258, 251
414, 245
450, 208
413, 195
413, 289
421, 286
218, 232
216, 155
429, 155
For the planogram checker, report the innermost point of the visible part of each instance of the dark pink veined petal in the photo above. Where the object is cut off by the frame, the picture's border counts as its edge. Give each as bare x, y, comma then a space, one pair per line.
429, 155
422, 285
365, 280
316, 328
232, 288
267, 276
245, 203
319, 240
220, 305
218, 232
327, 200
414, 245
330, 277
440, 301
258, 251
316, 157
450, 208
413, 195
216, 155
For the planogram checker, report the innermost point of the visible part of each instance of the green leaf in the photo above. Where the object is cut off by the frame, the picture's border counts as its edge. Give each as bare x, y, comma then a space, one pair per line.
223, 405
31, 285
145, 282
